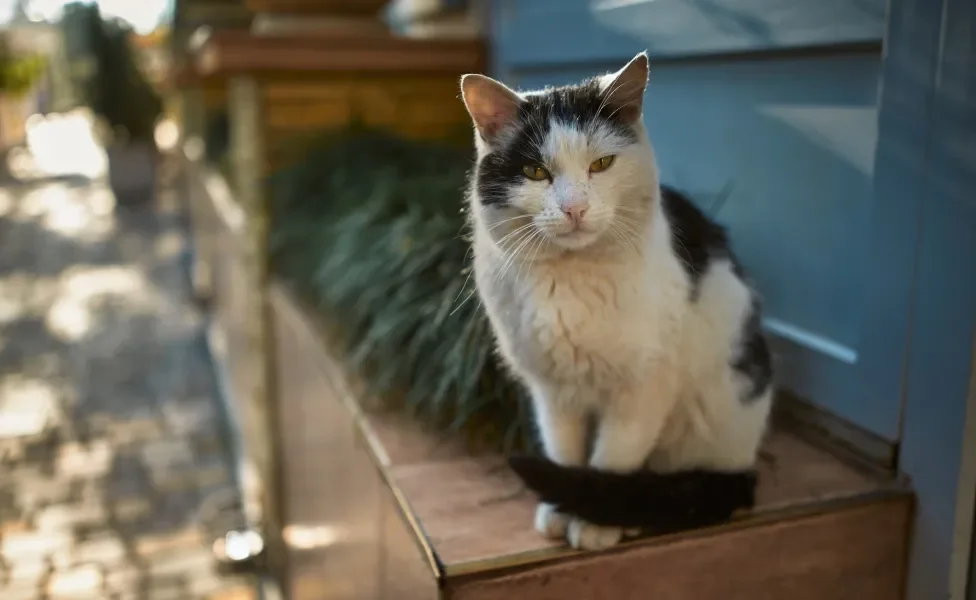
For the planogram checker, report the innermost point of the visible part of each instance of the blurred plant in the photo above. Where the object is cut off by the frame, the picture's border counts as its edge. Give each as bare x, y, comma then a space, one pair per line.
18, 74
368, 227
107, 74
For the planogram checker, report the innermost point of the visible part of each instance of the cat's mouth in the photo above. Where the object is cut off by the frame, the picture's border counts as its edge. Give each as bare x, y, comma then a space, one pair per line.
574, 239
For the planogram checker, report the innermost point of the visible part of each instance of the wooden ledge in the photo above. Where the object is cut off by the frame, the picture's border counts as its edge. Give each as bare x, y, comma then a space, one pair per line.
344, 7
823, 528
235, 52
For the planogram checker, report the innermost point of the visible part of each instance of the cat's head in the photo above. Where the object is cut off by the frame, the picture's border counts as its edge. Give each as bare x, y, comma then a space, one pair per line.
567, 167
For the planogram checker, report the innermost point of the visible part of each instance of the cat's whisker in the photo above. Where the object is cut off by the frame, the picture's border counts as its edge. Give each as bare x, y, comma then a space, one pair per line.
636, 226
631, 209
509, 257
472, 294
624, 238
542, 238
612, 90
623, 106
612, 230
631, 229
628, 219
520, 250
508, 220
519, 263
514, 257
634, 230
461, 291
512, 234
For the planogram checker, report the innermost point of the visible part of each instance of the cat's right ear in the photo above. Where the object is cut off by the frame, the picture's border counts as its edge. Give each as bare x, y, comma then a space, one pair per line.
493, 106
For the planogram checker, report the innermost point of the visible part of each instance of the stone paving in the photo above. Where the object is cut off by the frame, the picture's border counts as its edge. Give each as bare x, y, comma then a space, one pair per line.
110, 431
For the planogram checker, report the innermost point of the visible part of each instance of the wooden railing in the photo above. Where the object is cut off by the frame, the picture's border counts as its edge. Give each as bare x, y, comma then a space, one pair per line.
278, 89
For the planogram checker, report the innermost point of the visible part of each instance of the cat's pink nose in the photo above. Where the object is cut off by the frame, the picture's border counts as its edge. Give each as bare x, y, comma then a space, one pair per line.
576, 212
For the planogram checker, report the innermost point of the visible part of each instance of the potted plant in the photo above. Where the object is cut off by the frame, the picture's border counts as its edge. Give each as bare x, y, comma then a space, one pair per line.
120, 94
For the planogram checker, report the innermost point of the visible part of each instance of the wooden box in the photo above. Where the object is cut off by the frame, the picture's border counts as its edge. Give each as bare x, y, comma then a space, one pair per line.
375, 508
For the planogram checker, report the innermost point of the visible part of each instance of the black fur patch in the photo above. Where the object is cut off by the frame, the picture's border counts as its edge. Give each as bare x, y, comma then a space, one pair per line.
754, 360
698, 241
574, 104
695, 238
656, 502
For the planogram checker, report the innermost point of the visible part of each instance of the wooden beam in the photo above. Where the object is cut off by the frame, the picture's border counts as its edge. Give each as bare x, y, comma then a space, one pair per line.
348, 8
230, 52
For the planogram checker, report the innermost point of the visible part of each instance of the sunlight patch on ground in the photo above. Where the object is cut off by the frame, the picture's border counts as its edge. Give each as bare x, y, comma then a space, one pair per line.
310, 537
11, 309
6, 202
27, 407
167, 135
81, 289
169, 245
59, 145
79, 213
81, 582
23, 295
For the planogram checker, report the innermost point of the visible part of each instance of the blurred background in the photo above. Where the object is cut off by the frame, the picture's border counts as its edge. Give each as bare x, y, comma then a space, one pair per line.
241, 355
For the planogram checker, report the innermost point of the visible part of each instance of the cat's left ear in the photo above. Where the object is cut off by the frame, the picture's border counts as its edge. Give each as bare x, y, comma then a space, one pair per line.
624, 89
493, 105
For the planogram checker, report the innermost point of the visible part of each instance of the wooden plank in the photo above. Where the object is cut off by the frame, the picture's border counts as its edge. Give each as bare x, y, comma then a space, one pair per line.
227, 52
330, 481
318, 7
405, 574
446, 490
423, 107
857, 553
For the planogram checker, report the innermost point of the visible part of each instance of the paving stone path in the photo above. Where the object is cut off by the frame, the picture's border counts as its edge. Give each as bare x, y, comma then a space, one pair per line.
110, 432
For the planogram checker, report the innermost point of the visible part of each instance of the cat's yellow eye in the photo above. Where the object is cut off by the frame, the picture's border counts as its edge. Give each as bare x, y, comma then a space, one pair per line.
601, 164
535, 172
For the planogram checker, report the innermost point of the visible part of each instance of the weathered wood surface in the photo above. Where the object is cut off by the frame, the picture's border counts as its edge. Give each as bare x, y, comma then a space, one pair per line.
823, 528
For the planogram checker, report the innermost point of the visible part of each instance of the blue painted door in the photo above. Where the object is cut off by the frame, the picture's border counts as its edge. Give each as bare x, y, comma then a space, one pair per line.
766, 112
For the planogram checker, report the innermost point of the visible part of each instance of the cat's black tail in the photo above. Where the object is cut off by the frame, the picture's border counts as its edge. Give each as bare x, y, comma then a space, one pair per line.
652, 501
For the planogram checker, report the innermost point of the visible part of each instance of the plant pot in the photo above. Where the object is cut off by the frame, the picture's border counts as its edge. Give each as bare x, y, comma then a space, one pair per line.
132, 173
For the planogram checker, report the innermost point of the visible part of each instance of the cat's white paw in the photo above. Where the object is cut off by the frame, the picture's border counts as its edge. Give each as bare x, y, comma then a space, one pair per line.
550, 523
586, 536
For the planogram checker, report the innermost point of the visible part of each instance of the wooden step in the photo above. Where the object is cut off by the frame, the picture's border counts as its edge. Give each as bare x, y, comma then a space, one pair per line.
377, 508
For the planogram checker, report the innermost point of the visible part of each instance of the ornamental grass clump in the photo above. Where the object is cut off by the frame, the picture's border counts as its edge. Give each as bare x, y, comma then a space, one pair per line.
369, 229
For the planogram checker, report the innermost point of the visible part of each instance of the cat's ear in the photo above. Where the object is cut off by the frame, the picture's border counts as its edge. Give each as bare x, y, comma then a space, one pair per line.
492, 105
624, 89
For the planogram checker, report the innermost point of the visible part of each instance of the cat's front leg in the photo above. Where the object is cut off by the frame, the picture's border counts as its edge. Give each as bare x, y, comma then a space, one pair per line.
562, 423
627, 432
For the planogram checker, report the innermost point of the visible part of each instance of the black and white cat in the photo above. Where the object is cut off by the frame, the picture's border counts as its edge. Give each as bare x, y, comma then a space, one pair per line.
622, 309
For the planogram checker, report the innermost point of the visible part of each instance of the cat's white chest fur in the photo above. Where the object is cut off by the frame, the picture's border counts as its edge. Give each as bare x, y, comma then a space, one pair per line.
585, 323
576, 317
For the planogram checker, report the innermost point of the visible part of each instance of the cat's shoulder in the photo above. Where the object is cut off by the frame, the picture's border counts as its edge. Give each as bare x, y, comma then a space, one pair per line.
697, 240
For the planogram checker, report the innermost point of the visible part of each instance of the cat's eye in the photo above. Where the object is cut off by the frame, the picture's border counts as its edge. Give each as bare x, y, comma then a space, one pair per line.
601, 164
535, 172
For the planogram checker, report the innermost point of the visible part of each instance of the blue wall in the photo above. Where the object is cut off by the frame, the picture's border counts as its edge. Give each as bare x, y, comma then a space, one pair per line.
788, 131
850, 175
